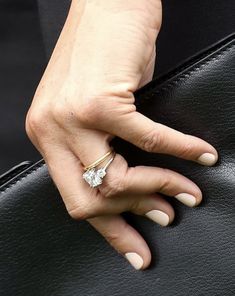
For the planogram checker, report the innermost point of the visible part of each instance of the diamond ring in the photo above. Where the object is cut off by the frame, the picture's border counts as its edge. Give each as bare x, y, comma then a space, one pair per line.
95, 177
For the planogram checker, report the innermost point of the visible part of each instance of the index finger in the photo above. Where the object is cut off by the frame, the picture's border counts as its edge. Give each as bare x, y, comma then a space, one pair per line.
155, 137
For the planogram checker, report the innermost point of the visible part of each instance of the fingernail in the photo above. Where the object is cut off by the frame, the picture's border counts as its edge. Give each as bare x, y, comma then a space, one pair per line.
135, 260
158, 217
187, 199
207, 159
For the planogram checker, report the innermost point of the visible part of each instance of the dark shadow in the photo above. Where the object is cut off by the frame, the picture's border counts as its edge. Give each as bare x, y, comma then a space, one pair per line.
22, 61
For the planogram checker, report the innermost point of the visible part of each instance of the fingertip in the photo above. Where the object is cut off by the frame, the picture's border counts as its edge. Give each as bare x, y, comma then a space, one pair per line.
198, 202
163, 210
172, 217
159, 217
208, 158
139, 259
147, 259
198, 196
189, 199
135, 260
126, 240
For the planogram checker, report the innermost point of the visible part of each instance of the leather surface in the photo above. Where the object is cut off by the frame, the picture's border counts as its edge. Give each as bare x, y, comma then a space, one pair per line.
44, 252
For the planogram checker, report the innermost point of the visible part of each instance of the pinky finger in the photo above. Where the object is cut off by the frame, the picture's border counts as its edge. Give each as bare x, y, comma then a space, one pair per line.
124, 239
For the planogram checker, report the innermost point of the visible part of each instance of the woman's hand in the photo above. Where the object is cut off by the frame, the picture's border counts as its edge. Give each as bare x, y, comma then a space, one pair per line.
105, 52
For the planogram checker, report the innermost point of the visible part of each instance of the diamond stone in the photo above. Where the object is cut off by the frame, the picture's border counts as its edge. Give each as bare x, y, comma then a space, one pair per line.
101, 172
93, 177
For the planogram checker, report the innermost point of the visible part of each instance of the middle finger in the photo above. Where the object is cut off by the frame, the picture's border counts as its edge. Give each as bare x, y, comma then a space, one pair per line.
122, 179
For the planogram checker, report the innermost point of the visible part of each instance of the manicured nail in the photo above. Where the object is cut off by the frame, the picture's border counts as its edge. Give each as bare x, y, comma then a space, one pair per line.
135, 260
158, 217
207, 159
187, 199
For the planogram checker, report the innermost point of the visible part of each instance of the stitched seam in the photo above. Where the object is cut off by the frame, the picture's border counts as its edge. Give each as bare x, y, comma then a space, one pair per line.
21, 177
7, 178
17, 171
177, 80
194, 69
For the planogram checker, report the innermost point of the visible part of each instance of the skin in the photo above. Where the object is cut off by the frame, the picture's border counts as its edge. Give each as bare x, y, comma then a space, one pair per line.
105, 52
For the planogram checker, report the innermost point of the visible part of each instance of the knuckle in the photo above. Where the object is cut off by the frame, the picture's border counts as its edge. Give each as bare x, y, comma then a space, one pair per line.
187, 149
112, 237
136, 207
28, 126
165, 181
90, 112
151, 140
36, 121
61, 112
113, 187
77, 215
115, 183
79, 212
115, 238
58, 110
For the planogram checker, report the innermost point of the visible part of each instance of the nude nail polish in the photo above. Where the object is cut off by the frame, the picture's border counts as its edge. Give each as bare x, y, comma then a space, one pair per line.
158, 217
187, 199
207, 159
135, 260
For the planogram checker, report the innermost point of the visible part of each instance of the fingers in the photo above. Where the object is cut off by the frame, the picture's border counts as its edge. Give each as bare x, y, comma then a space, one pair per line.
154, 137
147, 180
89, 145
152, 206
66, 170
83, 202
124, 239
164, 181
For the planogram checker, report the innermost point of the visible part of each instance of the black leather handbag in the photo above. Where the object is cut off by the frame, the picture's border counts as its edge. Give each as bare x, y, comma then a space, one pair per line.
44, 252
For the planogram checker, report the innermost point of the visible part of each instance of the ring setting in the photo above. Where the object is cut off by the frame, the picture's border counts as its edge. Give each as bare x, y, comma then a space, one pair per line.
94, 177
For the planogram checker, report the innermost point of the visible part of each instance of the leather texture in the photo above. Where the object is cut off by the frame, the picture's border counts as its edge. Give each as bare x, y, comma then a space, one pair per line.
44, 252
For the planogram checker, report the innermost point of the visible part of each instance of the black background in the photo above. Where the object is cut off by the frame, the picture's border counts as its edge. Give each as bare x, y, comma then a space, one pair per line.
22, 59
28, 33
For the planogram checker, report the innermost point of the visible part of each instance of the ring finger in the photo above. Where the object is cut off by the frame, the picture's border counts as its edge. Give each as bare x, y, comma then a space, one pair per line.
144, 180
84, 202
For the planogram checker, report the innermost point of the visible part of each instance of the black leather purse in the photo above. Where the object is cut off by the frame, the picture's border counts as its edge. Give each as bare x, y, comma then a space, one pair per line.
44, 252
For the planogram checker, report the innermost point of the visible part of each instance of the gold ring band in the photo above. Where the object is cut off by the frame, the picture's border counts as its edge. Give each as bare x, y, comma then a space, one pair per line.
95, 177
98, 161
